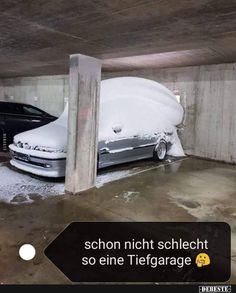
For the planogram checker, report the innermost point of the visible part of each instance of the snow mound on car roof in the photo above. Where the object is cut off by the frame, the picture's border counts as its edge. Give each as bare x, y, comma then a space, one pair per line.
139, 107
139, 94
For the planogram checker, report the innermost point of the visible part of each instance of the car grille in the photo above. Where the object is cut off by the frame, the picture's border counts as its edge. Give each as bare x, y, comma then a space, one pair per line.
20, 156
26, 159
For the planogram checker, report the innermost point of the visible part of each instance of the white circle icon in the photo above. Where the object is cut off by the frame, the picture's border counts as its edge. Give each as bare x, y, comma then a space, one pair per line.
27, 252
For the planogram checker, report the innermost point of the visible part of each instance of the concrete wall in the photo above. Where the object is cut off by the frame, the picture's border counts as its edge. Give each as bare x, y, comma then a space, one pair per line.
49, 93
207, 94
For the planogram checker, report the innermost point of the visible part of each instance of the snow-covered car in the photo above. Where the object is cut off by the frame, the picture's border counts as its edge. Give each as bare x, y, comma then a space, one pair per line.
137, 120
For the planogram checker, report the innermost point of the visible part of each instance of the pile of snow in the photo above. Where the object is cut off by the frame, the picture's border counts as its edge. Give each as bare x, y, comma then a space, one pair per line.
137, 106
111, 176
17, 187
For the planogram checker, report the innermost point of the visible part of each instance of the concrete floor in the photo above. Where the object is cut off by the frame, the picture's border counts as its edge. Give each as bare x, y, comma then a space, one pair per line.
187, 190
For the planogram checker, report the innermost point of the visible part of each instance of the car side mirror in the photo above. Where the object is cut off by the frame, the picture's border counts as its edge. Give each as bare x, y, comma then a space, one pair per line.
117, 128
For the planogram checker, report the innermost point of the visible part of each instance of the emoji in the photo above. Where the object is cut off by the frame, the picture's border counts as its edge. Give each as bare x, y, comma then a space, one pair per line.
202, 259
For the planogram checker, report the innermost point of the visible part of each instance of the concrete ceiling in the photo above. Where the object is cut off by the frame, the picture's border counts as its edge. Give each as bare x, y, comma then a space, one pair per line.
37, 36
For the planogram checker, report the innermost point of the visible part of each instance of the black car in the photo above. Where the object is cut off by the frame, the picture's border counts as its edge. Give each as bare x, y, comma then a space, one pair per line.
16, 118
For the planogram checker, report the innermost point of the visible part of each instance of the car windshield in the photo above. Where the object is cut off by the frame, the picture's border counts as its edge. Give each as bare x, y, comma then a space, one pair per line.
32, 111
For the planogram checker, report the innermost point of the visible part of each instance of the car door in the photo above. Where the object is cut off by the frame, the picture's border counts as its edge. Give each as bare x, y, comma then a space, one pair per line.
144, 145
117, 150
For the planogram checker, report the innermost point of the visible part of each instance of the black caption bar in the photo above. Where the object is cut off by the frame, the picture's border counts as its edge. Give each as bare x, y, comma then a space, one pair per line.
143, 252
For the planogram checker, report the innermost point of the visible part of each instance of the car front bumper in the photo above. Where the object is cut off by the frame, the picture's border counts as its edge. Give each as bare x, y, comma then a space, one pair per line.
42, 166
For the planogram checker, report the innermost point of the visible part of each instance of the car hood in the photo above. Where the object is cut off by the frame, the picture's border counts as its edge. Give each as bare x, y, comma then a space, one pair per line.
51, 137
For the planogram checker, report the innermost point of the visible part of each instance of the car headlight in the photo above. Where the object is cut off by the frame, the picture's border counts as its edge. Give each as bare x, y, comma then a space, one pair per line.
27, 146
45, 149
19, 144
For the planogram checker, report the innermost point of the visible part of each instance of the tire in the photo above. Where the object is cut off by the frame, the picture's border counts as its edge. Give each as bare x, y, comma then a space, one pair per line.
160, 151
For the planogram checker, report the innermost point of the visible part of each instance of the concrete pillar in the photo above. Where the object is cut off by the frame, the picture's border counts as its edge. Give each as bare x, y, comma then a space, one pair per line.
84, 93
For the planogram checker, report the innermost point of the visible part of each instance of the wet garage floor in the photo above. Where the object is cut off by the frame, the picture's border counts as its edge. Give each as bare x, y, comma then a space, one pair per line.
185, 190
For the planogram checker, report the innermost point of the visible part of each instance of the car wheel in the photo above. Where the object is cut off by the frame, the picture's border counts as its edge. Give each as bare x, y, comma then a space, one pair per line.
160, 151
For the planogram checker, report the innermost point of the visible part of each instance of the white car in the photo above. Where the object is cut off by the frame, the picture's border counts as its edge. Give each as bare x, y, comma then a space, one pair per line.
137, 121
